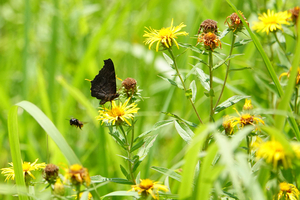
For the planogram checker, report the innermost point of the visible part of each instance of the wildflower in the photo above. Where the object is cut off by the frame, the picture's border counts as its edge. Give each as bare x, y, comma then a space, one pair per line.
234, 22
288, 191
27, 168
208, 25
165, 36
77, 175
288, 75
246, 119
59, 188
210, 40
274, 153
51, 173
295, 14
90, 196
227, 124
248, 105
118, 113
271, 21
129, 85
147, 187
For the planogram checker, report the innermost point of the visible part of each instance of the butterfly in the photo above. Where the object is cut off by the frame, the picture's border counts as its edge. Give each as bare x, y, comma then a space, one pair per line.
103, 86
75, 122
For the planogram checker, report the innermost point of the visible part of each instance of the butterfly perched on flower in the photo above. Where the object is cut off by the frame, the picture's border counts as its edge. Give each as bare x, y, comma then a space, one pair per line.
103, 86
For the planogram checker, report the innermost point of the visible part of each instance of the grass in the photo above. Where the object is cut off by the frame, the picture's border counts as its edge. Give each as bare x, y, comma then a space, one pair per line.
49, 48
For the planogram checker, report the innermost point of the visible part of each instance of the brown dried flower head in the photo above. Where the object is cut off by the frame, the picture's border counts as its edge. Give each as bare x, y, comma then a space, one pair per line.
208, 25
234, 22
210, 40
295, 14
51, 173
129, 85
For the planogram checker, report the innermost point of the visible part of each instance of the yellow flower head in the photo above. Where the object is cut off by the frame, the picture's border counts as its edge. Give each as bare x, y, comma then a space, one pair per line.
27, 168
227, 124
288, 75
90, 196
288, 191
274, 153
165, 36
77, 175
210, 40
246, 119
59, 188
234, 22
270, 21
248, 105
118, 113
147, 187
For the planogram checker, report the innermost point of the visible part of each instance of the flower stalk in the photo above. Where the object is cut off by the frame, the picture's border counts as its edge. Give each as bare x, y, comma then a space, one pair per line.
182, 82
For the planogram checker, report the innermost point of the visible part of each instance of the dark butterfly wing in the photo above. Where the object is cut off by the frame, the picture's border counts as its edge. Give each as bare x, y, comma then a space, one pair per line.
104, 84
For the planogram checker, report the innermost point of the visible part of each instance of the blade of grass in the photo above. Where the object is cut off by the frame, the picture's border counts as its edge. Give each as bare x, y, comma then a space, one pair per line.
51, 130
280, 120
15, 148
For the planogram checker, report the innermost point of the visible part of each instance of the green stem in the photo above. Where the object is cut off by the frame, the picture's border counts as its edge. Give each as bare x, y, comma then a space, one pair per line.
182, 82
296, 99
211, 95
129, 153
227, 70
277, 40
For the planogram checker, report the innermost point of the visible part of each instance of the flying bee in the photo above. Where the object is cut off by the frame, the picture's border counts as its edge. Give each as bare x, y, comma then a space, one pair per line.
75, 122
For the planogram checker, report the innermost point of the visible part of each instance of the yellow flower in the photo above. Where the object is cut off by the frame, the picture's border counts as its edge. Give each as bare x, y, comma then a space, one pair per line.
147, 187
288, 75
227, 124
246, 119
248, 105
59, 188
77, 175
165, 36
90, 196
271, 21
27, 168
273, 152
288, 191
118, 113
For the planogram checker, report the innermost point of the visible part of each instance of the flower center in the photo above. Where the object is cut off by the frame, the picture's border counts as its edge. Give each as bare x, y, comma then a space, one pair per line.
26, 167
165, 33
76, 167
117, 112
146, 184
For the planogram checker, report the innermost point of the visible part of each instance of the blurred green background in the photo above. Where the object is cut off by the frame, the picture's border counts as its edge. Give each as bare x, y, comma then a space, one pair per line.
48, 48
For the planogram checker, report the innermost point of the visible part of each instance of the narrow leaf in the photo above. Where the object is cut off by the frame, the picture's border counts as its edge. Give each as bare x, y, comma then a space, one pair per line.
184, 131
229, 102
167, 172
168, 59
193, 88
204, 78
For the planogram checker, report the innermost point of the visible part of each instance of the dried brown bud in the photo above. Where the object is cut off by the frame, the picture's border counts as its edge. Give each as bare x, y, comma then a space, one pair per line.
208, 25
51, 173
210, 40
234, 22
129, 85
295, 13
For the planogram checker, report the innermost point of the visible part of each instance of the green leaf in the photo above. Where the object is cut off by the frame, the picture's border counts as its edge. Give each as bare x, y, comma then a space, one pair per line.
114, 132
121, 194
224, 61
229, 102
136, 146
224, 33
143, 151
193, 88
193, 48
242, 42
204, 78
168, 59
184, 131
51, 130
14, 142
101, 179
124, 171
167, 172
172, 82
200, 60
156, 126
191, 159
180, 119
